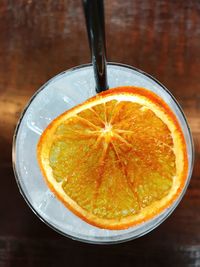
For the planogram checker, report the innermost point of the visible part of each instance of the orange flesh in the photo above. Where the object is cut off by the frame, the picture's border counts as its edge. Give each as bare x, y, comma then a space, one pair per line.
114, 160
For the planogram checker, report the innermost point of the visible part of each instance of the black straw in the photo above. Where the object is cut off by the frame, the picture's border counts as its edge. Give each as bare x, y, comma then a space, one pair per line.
94, 15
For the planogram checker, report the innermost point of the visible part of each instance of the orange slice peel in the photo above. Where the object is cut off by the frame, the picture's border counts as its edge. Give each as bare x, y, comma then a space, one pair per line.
116, 160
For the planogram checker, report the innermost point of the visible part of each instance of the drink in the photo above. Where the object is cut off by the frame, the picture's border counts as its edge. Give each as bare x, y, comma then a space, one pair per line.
59, 94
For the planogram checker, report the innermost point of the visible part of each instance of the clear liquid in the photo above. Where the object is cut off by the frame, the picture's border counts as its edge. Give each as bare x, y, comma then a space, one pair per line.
60, 94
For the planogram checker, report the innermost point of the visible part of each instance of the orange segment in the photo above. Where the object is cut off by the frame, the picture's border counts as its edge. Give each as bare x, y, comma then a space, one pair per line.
116, 160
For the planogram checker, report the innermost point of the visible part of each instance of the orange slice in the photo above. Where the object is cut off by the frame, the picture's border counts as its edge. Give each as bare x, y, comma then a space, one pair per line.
116, 160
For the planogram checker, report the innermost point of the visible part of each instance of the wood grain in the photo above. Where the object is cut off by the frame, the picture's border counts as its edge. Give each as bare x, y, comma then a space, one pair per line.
39, 39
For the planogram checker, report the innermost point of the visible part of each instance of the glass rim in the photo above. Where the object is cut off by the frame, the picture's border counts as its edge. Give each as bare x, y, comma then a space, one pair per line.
100, 242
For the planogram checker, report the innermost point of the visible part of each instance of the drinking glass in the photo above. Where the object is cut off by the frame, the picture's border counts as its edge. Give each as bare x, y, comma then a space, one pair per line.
59, 94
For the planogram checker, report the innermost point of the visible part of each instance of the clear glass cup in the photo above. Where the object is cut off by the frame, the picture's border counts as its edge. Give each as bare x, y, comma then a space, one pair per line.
59, 94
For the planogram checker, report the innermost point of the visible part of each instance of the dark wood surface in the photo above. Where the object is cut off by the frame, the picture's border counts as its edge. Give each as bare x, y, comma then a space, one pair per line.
39, 39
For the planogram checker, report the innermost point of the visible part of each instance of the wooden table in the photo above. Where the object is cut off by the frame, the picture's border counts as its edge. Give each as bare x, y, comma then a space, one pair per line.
39, 39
